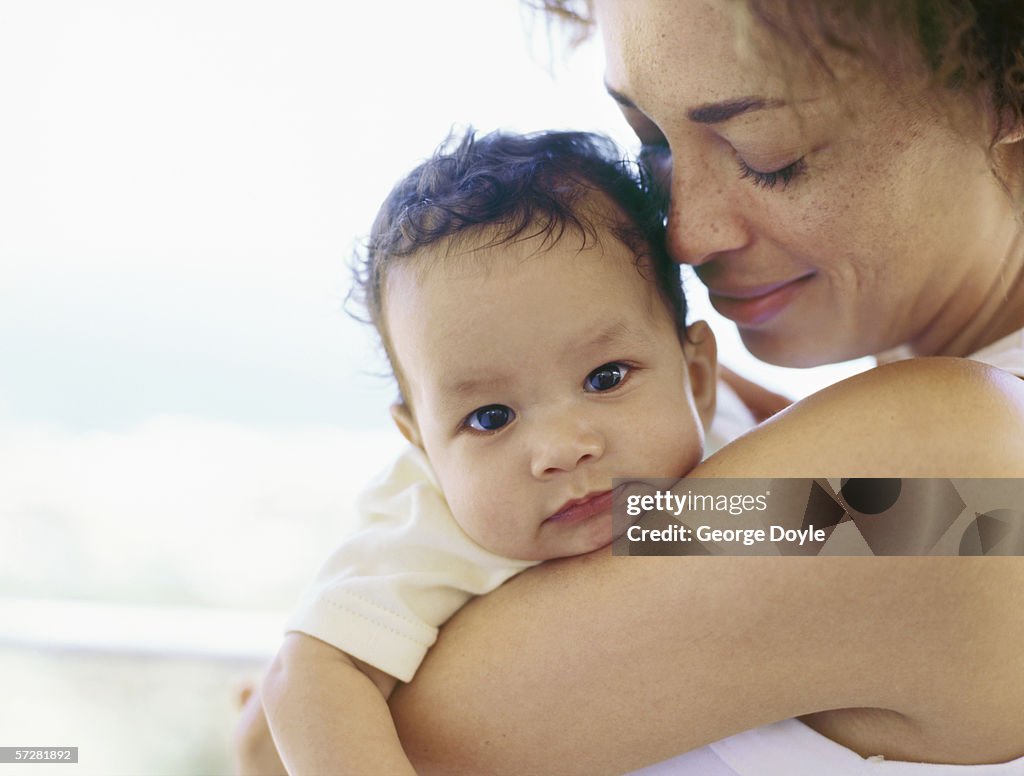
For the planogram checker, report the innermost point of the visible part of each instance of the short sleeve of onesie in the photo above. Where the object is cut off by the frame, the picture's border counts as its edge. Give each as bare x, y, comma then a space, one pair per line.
383, 594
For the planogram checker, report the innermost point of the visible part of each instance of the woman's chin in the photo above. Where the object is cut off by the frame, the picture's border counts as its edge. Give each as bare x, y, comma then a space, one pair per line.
800, 351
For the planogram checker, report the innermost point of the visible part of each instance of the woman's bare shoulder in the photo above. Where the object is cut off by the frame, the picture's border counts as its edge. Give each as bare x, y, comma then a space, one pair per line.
925, 417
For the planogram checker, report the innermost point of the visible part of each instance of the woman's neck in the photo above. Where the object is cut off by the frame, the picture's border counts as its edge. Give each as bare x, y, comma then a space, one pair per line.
999, 313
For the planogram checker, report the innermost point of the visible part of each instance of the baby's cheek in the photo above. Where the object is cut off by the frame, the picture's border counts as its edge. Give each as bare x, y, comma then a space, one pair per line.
490, 518
682, 447
459, 496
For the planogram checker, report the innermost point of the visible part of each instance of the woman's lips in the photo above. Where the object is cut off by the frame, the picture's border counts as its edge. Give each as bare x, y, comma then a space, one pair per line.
578, 510
755, 305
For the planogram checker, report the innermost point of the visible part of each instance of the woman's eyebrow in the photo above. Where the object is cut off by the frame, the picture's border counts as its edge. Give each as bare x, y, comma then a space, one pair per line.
712, 112
720, 112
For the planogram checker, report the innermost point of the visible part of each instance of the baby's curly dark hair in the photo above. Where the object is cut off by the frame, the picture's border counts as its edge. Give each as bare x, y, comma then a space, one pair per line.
513, 187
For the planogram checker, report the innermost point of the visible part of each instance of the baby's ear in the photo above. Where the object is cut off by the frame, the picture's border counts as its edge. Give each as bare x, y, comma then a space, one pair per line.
402, 415
702, 363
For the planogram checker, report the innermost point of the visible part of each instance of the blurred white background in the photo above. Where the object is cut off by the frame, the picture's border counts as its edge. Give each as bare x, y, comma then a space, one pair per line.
185, 409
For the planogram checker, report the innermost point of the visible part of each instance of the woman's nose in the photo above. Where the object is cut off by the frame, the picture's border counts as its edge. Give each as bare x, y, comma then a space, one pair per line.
563, 445
704, 218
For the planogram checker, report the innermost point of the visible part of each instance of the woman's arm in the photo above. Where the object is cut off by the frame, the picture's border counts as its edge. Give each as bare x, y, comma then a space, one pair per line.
602, 664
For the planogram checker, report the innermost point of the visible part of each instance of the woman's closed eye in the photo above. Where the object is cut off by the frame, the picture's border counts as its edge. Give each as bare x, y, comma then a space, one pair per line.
771, 178
656, 160
606, 377
491, 417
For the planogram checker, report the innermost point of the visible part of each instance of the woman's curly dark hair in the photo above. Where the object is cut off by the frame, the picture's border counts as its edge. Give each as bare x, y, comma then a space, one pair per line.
512, 187
965, 43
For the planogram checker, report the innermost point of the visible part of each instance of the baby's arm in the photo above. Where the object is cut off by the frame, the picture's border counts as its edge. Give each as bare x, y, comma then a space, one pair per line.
380, 597
328, 713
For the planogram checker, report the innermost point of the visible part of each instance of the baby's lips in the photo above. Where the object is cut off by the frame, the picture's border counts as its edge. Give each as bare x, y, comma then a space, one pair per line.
638, 488
581, 509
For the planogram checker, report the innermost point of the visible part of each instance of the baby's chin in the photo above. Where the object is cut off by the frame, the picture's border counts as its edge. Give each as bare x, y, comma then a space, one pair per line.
597, 534
544, 547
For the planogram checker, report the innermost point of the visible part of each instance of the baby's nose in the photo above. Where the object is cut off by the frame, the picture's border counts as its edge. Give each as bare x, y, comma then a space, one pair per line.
565, 445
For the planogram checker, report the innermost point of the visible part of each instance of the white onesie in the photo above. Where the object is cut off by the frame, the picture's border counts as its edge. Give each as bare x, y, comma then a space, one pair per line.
383, 594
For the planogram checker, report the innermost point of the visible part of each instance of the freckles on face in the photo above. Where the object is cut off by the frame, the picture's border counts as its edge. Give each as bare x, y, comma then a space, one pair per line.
830, 219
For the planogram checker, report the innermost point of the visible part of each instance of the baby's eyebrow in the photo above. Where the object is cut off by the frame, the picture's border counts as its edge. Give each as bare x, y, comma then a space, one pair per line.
607, 336
472, 385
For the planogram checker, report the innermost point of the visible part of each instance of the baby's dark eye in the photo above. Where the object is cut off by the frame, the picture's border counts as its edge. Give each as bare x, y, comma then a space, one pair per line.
490, 418
605, 377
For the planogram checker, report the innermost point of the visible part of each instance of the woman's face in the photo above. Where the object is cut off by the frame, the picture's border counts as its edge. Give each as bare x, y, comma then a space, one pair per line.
830, 219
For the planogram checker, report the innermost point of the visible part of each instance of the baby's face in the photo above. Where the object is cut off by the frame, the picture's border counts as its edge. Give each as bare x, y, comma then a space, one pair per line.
537, 374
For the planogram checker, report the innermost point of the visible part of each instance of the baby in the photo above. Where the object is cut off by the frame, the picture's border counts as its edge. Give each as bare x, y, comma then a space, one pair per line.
536, 328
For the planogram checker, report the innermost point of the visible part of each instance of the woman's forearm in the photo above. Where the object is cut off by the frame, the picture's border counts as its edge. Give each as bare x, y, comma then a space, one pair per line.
603, 664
